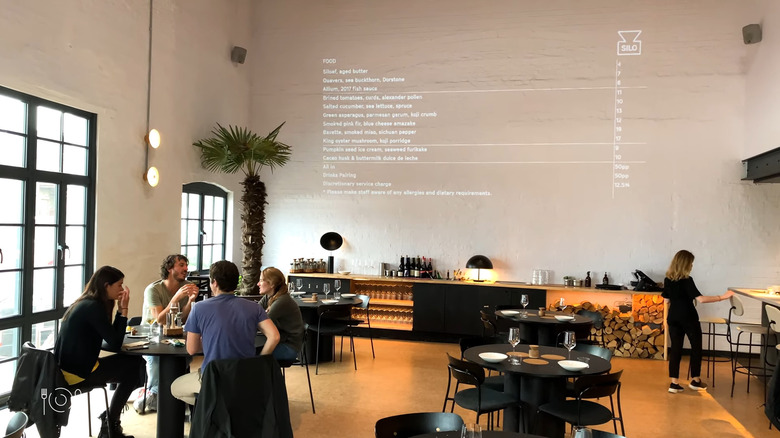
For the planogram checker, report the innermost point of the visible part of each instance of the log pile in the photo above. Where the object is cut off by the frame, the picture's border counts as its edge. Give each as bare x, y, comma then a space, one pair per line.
637, 332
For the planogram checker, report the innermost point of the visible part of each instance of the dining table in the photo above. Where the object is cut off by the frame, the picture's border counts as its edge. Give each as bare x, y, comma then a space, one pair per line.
544, 330
310, 311
174, 362
485, 434
536, 381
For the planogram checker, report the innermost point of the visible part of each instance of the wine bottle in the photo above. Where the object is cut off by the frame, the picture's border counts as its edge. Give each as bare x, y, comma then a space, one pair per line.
418, 265
401, 267
407, 267
605, 280
430, 268
587, 280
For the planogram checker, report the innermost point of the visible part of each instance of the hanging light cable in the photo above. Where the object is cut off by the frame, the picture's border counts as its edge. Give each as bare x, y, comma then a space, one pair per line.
152, 137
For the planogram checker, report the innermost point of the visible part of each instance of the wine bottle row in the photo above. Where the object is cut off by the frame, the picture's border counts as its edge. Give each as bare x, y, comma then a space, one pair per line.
414, 267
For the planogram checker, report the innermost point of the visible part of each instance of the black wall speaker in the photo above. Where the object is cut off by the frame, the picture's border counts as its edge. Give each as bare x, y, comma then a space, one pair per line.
238, 54
751, 33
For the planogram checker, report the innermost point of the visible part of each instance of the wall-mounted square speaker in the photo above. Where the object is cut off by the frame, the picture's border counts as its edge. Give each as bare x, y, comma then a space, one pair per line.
238, 54
751, 33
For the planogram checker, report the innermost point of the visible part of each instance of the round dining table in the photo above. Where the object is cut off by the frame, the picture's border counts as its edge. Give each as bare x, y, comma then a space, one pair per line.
485, 434
544, 330
535, 382
310, 311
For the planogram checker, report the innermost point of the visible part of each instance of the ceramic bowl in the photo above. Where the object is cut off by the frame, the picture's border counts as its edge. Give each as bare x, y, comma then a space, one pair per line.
572, 365
492, 357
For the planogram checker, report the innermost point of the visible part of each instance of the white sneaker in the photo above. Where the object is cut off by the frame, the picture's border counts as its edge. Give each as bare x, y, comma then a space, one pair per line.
151, 403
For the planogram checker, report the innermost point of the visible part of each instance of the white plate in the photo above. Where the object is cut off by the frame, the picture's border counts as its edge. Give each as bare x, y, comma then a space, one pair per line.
572, 365
344, 272
564, 317
348, 295
300, 292
510, 312
330, 301
136, 336
492, 357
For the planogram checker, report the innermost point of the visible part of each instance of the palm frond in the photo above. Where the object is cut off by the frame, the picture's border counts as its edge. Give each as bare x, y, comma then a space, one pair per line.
234, 148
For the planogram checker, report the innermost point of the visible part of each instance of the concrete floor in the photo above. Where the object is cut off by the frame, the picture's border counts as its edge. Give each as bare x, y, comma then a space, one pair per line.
412, 376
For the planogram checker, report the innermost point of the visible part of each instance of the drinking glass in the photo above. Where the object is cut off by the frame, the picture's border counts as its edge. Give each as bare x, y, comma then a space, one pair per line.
326, 289
561, 304
299, 284
471, 431
569, 341
290, 288
514, 339
581, 432
524, 302
337, 285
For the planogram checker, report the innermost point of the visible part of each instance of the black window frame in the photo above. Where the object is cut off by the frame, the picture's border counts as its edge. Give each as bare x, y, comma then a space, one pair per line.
203, 189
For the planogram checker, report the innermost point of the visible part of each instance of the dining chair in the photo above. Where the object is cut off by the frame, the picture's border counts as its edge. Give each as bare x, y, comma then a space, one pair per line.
583, 412
492, 382
29, 347
16, 425
409, 425
489, 322
353, 322
331, 321
303, 362
742, 328
598, 324
710, 335
595, 350
479, 399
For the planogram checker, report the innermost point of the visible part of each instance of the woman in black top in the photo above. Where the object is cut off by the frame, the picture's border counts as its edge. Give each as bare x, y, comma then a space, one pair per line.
683, 319
85, 325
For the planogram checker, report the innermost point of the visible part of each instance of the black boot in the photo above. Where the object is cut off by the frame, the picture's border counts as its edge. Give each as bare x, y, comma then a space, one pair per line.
111, 429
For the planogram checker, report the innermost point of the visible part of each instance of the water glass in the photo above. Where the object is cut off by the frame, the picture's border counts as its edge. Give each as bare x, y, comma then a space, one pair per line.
471, 430
581, 432
569, 341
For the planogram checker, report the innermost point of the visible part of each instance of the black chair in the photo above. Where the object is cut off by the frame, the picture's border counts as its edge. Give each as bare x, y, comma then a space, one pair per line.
479, 399
598, 323
492, 382
73, 389
16, 425
489, 322
304, 362
582, 412
331, 321
408, 425
355, 321
594, 350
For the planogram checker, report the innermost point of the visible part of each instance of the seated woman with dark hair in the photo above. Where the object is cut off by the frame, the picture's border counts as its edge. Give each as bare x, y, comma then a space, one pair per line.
85, 325
283, 311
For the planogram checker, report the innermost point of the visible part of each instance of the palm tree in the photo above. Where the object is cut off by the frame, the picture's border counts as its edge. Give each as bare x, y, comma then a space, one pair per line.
232, 149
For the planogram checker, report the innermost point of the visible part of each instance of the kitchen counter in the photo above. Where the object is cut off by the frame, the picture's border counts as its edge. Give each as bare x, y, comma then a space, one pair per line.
758, 294
503, 284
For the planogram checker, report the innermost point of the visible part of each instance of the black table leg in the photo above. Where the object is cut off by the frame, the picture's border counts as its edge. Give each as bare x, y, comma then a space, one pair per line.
170, 411
535, 392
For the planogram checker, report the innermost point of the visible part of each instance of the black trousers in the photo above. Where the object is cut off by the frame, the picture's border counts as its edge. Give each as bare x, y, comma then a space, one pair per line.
678, 330
126, 371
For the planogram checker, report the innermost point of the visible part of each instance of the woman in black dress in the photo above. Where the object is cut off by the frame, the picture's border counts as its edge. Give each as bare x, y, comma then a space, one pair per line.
85, 325
683, 319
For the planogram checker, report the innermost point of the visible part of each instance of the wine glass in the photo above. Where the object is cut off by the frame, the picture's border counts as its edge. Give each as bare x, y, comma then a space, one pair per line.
524, 303
569, 341
514, 339
290, 288
299, 284
337, 284
326, 289
561, 304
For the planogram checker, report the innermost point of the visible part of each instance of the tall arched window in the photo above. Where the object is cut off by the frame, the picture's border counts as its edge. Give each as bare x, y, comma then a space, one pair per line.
203, 224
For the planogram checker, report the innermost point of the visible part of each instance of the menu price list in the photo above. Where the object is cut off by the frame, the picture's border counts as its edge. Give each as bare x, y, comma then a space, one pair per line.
367, 120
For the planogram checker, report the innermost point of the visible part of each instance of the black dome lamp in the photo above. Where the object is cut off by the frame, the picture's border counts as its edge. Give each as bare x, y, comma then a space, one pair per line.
479, 262
331, 241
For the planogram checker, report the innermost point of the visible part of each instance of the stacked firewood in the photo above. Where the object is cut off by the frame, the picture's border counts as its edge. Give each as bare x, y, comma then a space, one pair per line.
636, 332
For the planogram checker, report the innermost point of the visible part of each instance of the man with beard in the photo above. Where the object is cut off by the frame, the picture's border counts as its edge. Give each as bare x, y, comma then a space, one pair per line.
171, 289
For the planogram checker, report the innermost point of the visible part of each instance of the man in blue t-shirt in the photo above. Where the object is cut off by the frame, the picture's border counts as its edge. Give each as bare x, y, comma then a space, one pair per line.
223, 327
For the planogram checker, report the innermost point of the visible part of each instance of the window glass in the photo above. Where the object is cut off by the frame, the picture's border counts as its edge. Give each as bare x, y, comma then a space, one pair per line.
208, 207
45, 203
12, 149
74, 283
44, 246
43, 289
74, 160
12, 201
194, 206
49, 123
10, 299
76, 208
12, 114
48, 157
44, 335
75, 130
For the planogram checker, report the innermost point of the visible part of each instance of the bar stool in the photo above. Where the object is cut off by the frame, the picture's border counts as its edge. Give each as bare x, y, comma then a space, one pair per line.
751, 329
710, 335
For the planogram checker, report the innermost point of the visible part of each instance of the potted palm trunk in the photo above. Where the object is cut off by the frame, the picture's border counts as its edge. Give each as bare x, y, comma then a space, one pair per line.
232, 149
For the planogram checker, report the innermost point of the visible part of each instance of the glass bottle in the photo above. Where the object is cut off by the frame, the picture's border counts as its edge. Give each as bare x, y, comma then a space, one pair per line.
605, 280
587, 280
